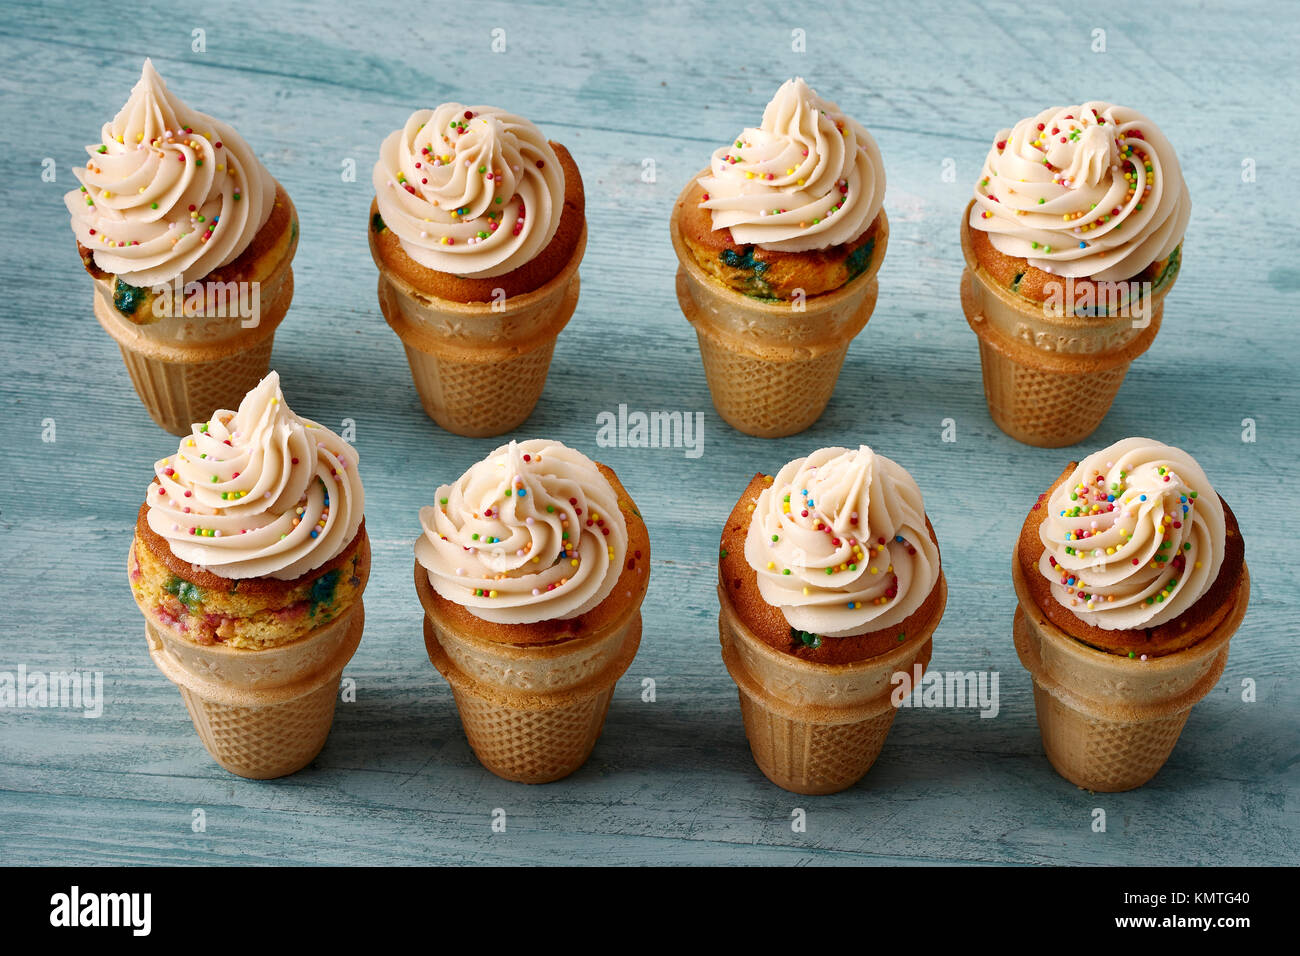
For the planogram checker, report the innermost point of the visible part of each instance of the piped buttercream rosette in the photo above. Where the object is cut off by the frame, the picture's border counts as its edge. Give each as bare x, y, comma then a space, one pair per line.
531, 533
1133, 537
168, 192
471, 191
258, 492
1083, 191
808, 177
839, 543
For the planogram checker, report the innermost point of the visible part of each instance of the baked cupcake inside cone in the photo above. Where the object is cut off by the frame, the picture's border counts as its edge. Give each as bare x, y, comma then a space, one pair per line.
172, 195
1168, 561
479, 545
791, 207
252, 535
1091, 193
528, 277
473, 202
882, 582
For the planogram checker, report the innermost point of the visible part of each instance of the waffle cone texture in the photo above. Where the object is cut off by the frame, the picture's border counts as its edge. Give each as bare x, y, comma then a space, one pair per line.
480, 367
771, 368
1109, 722
1049, 380
186, 367
532, 713
260, 714
816, 728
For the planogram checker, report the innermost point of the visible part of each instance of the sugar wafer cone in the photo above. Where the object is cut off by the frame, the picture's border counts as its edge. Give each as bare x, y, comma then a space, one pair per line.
772, 366
816, 728
480, 367
1108, 722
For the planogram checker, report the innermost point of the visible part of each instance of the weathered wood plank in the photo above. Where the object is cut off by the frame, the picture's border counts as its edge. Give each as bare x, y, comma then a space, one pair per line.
312, 85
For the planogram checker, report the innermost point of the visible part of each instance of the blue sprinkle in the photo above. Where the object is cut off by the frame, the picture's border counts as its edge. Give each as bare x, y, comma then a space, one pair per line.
314, 532
898, 538
1083, 245
522, 493
1142, 497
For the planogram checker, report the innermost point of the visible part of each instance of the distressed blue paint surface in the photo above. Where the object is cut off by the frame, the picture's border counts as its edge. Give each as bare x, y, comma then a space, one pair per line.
311, 85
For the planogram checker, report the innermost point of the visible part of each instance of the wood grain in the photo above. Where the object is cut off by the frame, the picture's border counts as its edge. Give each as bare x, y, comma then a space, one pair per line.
311, 85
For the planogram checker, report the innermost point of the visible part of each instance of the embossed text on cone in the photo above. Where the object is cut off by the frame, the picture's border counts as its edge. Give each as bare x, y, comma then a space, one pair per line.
816, 728
1109, 723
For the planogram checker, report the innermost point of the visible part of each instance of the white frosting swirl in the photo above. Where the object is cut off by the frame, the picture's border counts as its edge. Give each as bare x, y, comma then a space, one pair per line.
1083, 191
809, 177
259, 492
1133, 537
531, 533
168, 192
473, 191
840, 545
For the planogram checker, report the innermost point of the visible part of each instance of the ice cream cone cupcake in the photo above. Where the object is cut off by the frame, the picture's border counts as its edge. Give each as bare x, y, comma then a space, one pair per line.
249, 561
830, 583
531, 571
188, 240
477, 227
1131, 578
778, 243
1072, 242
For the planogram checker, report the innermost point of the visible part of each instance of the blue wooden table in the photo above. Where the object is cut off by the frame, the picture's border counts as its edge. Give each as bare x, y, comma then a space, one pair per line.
638, 92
